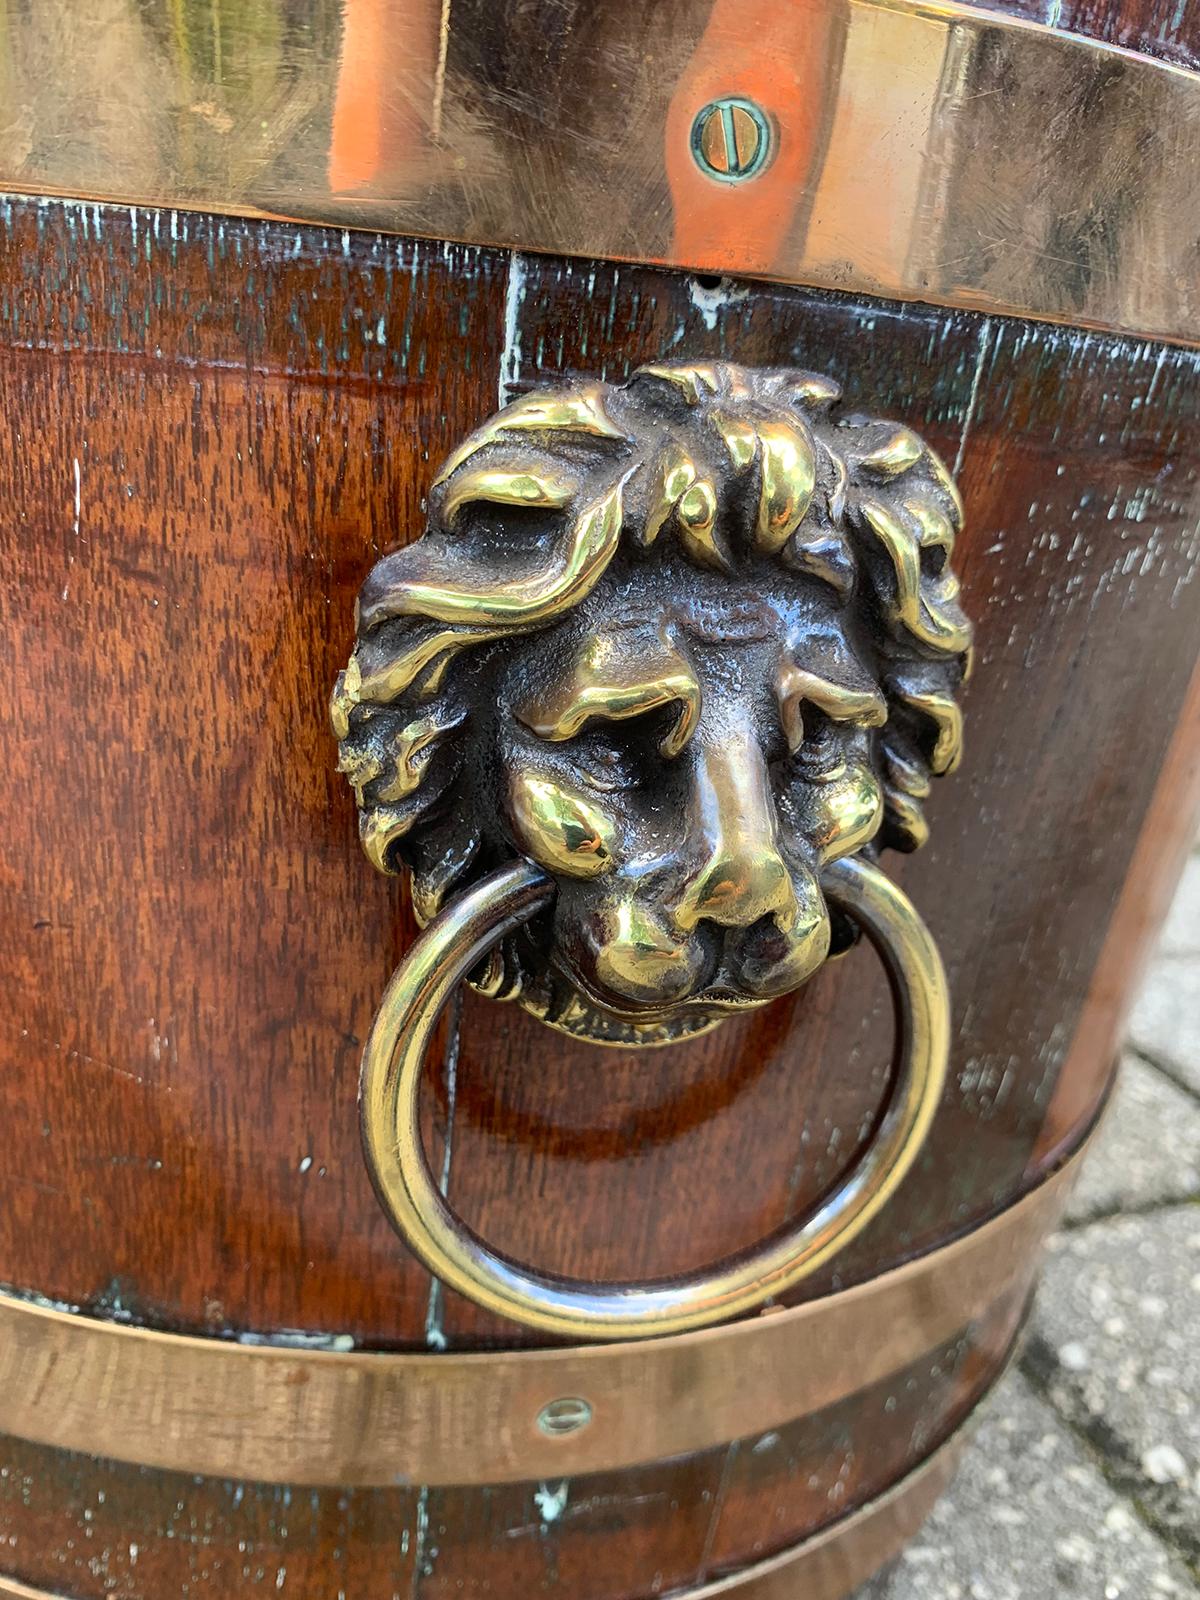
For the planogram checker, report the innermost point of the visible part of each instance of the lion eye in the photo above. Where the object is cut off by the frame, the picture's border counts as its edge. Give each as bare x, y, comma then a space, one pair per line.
821, 753
613, 756
603, 762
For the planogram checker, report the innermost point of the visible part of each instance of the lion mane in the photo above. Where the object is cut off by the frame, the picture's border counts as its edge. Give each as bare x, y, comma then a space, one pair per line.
526, 516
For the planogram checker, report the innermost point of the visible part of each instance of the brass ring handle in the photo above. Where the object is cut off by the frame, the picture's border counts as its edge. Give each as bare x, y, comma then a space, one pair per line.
394, 1055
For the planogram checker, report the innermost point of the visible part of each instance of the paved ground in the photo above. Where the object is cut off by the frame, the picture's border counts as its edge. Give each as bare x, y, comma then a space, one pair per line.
1083, 1481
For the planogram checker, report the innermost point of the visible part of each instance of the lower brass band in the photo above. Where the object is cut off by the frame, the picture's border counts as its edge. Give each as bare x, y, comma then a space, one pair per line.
183, 1404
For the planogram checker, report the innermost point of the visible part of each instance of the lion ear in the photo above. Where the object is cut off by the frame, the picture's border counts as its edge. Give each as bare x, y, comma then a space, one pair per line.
479, 586
919, 594
535, 455
487, 573
538, 457
922, 740
905, 511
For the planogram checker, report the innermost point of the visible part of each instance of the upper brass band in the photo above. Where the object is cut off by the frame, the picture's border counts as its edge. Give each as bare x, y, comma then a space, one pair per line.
310, 1417
921, 151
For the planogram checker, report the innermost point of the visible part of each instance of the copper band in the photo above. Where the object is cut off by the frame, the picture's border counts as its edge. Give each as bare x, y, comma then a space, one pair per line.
825, 1567
926, 151
316, 1417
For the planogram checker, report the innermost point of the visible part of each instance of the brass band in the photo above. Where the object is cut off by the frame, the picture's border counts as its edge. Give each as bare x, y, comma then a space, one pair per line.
394, 1056
927, 151
316, 1417
824, 1567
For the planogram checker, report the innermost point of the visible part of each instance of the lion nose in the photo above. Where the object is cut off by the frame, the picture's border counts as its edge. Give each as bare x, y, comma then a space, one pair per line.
738, 875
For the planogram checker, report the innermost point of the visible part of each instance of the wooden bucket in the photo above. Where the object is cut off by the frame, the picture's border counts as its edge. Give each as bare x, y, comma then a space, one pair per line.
221, 1373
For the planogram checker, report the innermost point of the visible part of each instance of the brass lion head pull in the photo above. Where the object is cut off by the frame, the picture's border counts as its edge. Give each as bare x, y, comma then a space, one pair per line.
683, 643
673, 661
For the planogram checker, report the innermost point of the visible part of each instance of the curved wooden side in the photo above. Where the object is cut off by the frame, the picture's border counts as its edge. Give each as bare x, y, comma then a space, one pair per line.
1167, 834
831, 1564
191, 943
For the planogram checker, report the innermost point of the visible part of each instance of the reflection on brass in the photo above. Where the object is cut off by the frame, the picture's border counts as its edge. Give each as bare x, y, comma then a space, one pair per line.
563, 831
684, 643
362, 1418
927, 151
606, 681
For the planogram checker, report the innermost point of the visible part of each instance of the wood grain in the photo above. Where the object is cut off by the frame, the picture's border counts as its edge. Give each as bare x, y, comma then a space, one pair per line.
211, 430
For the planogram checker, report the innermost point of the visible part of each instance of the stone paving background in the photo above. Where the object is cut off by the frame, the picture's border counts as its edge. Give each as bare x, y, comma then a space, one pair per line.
1083, 1479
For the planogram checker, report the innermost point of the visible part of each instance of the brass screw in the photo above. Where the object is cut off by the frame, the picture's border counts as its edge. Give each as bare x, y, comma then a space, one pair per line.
563, 1416
731, 139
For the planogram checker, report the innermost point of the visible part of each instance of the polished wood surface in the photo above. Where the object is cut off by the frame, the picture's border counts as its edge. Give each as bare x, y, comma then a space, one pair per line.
1168, 833
213, 427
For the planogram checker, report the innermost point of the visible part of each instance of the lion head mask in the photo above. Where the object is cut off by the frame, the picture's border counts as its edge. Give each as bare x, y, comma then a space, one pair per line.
682, 642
